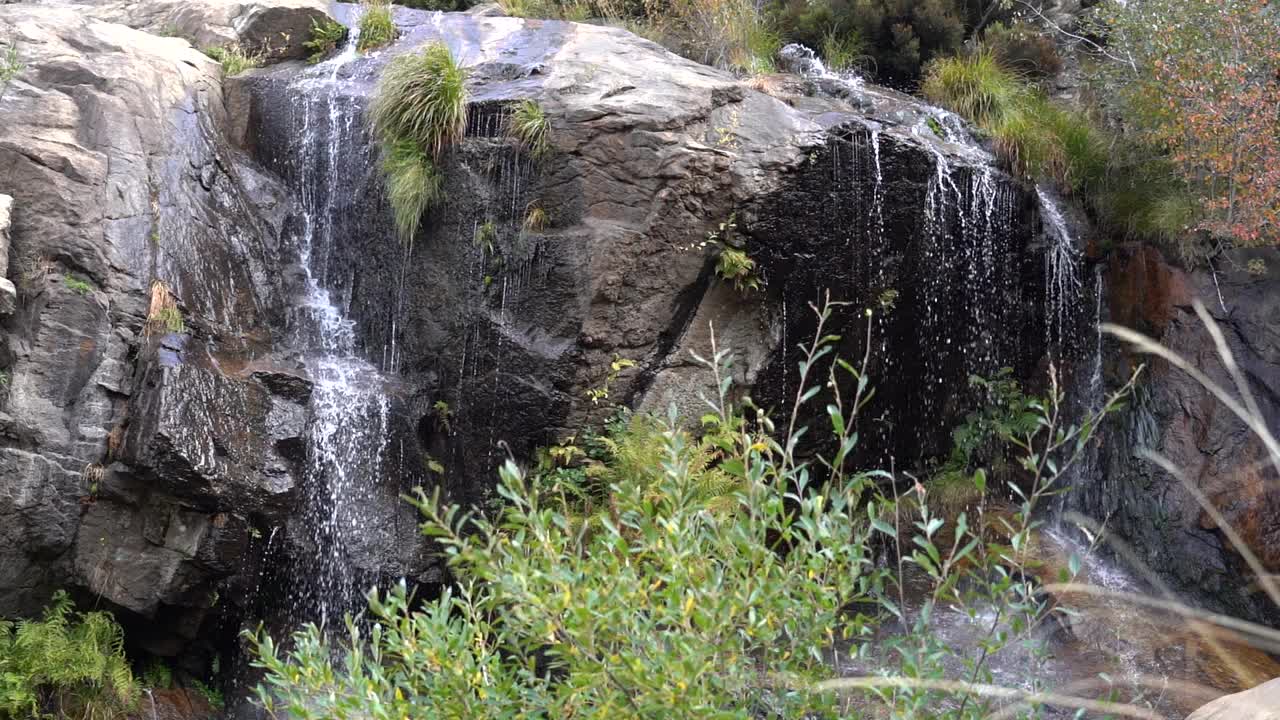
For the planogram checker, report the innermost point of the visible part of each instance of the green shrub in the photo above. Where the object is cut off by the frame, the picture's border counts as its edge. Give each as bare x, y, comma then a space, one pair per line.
528, 124
414, 184
67, 664
377, 26
326, 36
234, 59
1023, 48
157, 676
211, 695
418, 110
673, 600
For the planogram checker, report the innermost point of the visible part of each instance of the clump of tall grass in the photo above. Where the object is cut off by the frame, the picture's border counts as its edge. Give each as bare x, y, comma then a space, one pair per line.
528, 123
419, 109
422, 97
975, 87
414, 184
163, 313
377, 28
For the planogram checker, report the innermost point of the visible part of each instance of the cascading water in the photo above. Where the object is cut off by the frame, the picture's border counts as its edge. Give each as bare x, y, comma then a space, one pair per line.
348, 427
1063, 273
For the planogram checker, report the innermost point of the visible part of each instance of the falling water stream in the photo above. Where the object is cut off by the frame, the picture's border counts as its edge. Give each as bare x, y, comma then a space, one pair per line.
348, 429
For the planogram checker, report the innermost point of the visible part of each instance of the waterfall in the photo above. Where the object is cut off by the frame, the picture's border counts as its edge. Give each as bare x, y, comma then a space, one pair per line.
1064, 284
348, 426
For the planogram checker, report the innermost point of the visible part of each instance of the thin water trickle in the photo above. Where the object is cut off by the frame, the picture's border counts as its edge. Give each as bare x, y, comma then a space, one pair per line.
1063, 261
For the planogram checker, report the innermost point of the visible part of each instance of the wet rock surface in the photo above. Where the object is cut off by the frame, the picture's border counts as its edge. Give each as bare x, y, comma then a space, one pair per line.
1259, 703
1172, 414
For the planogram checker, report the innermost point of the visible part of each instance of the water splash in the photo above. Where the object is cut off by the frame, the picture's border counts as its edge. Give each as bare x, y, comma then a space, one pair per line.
805, 62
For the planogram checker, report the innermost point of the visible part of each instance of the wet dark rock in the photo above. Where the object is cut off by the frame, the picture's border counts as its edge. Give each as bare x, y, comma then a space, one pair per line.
1152, 511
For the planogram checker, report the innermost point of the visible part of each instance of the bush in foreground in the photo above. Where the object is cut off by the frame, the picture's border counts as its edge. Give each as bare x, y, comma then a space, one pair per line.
658, 599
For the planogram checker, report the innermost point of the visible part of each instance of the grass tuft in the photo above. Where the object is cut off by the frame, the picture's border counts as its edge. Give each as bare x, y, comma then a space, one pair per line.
234, 59
528, 123
326, 35
163, 313
377, 27
974, 86
422, 97
414, 184
419, 109
536, 219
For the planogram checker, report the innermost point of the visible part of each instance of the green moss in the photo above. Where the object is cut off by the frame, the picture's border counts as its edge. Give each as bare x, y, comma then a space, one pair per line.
377, 27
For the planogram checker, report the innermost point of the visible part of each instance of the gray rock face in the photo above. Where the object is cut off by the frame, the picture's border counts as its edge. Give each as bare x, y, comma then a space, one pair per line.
274, 29
1260, 703
8, 293
133, 464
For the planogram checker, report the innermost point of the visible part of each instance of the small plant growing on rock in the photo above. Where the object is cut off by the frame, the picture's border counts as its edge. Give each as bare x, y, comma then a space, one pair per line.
486, 236
1257, 267
528, 123
326, 35
10, 66
615, 368
419, 110
535, 219
234, 59
377, 28
163, 313
733, 263
77, 285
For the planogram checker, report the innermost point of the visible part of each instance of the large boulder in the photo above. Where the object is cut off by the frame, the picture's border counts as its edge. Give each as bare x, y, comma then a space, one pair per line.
272, 29
113, 478
1259, 703
511, 328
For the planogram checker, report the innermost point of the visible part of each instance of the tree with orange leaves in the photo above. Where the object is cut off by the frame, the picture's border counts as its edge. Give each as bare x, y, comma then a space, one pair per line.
1200, 80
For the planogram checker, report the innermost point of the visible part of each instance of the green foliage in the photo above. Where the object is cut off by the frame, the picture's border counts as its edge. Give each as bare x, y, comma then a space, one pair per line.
975, 87
157, 676
1024, 49
615, 369
655, 592
211, 695
843, 52
528, 124
67, 664
377, 27
486, 236
326, 36
10, 65
418, 110
414, 184
234, 59
894, 38
732, 262
77, 285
